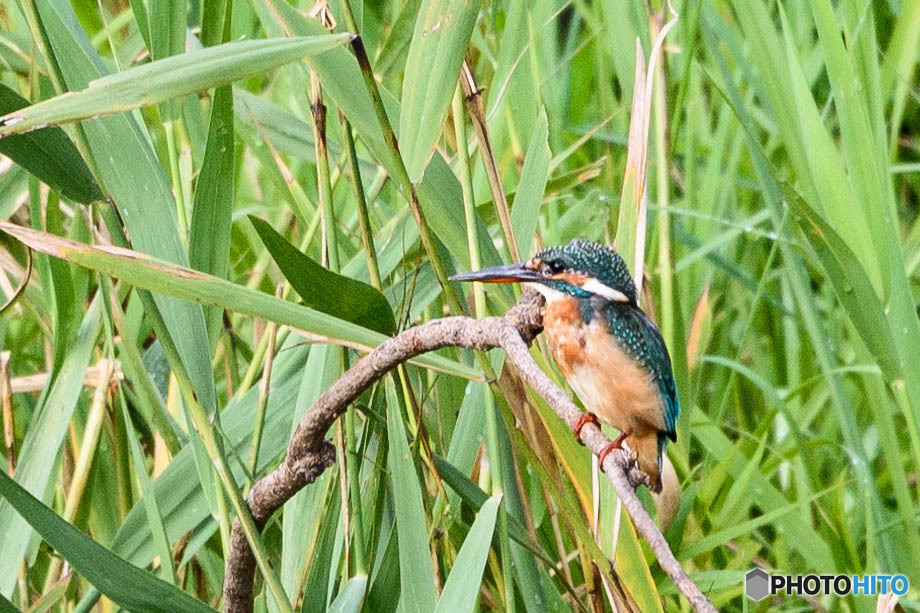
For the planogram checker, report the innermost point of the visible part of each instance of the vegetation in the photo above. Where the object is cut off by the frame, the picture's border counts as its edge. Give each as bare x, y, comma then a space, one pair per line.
781, 244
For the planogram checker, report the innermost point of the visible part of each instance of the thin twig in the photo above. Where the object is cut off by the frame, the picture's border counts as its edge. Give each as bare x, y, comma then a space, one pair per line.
309, 453
477, 113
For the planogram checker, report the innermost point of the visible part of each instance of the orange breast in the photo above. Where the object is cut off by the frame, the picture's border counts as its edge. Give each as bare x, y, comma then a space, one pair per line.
609, 382
563, 326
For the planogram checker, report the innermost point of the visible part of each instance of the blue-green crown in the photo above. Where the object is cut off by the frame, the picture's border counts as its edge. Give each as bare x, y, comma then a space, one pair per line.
591, 260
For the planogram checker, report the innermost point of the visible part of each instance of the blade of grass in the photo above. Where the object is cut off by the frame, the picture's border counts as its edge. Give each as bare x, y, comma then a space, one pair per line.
166, 79
209, 234
415, 572
529, 194
148, 497
124, 583
167, 38
157, 276
38, 454
805, 299
351, 598
470, 562
137, 185
439, 41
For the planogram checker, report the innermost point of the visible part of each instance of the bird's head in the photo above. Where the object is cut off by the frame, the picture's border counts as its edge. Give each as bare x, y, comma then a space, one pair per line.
582, 269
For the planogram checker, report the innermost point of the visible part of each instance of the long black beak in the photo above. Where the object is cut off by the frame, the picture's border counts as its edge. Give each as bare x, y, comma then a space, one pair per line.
510, 273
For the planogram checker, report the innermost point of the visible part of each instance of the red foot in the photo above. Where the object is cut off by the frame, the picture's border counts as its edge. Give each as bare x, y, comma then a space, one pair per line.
616, 444
586, 418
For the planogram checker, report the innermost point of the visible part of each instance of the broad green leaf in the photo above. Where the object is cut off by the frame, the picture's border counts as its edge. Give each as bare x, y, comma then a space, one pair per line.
392, 56
441, 199
467, 436
209, 233
854, 289
60, 284
529, 194
149, 499
523, 563
168, 78
125, 584
621, 42
49, 155
836, 196
634, 569
160, 277
439, 42
214, 22
167, 38
458, 594
139, 12
316, 586
416, 577
864, 151
324, 290
513, 97
384, 591
898, 63
167, 28
351, 597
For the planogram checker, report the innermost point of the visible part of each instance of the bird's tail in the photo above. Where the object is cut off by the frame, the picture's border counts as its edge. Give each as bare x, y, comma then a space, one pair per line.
648, 455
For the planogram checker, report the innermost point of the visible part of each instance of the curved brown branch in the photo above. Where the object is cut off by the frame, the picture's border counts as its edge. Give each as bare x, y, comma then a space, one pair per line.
309, 453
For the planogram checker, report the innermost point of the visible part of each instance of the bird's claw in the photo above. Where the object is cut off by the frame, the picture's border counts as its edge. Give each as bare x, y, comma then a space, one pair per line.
586, 418
616, 444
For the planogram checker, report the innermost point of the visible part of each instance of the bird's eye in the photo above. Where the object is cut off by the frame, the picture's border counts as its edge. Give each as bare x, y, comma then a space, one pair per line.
556, 266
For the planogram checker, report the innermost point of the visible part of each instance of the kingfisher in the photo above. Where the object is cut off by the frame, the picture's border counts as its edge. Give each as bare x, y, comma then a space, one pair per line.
609, 351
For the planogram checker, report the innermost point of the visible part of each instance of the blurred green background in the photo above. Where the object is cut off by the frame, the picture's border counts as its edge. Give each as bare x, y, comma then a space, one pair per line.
781, 251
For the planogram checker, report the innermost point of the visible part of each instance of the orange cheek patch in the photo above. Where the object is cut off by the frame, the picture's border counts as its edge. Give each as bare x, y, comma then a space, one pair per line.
571, 278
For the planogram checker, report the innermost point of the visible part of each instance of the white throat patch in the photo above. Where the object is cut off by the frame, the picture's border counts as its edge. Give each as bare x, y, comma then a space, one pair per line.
591, 285
596, 287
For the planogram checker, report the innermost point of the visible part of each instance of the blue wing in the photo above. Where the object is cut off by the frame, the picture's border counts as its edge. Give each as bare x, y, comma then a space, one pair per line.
641, 338
664, 376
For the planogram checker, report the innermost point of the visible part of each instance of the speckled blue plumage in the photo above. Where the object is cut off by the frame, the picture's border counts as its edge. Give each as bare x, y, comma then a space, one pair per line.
600, 261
